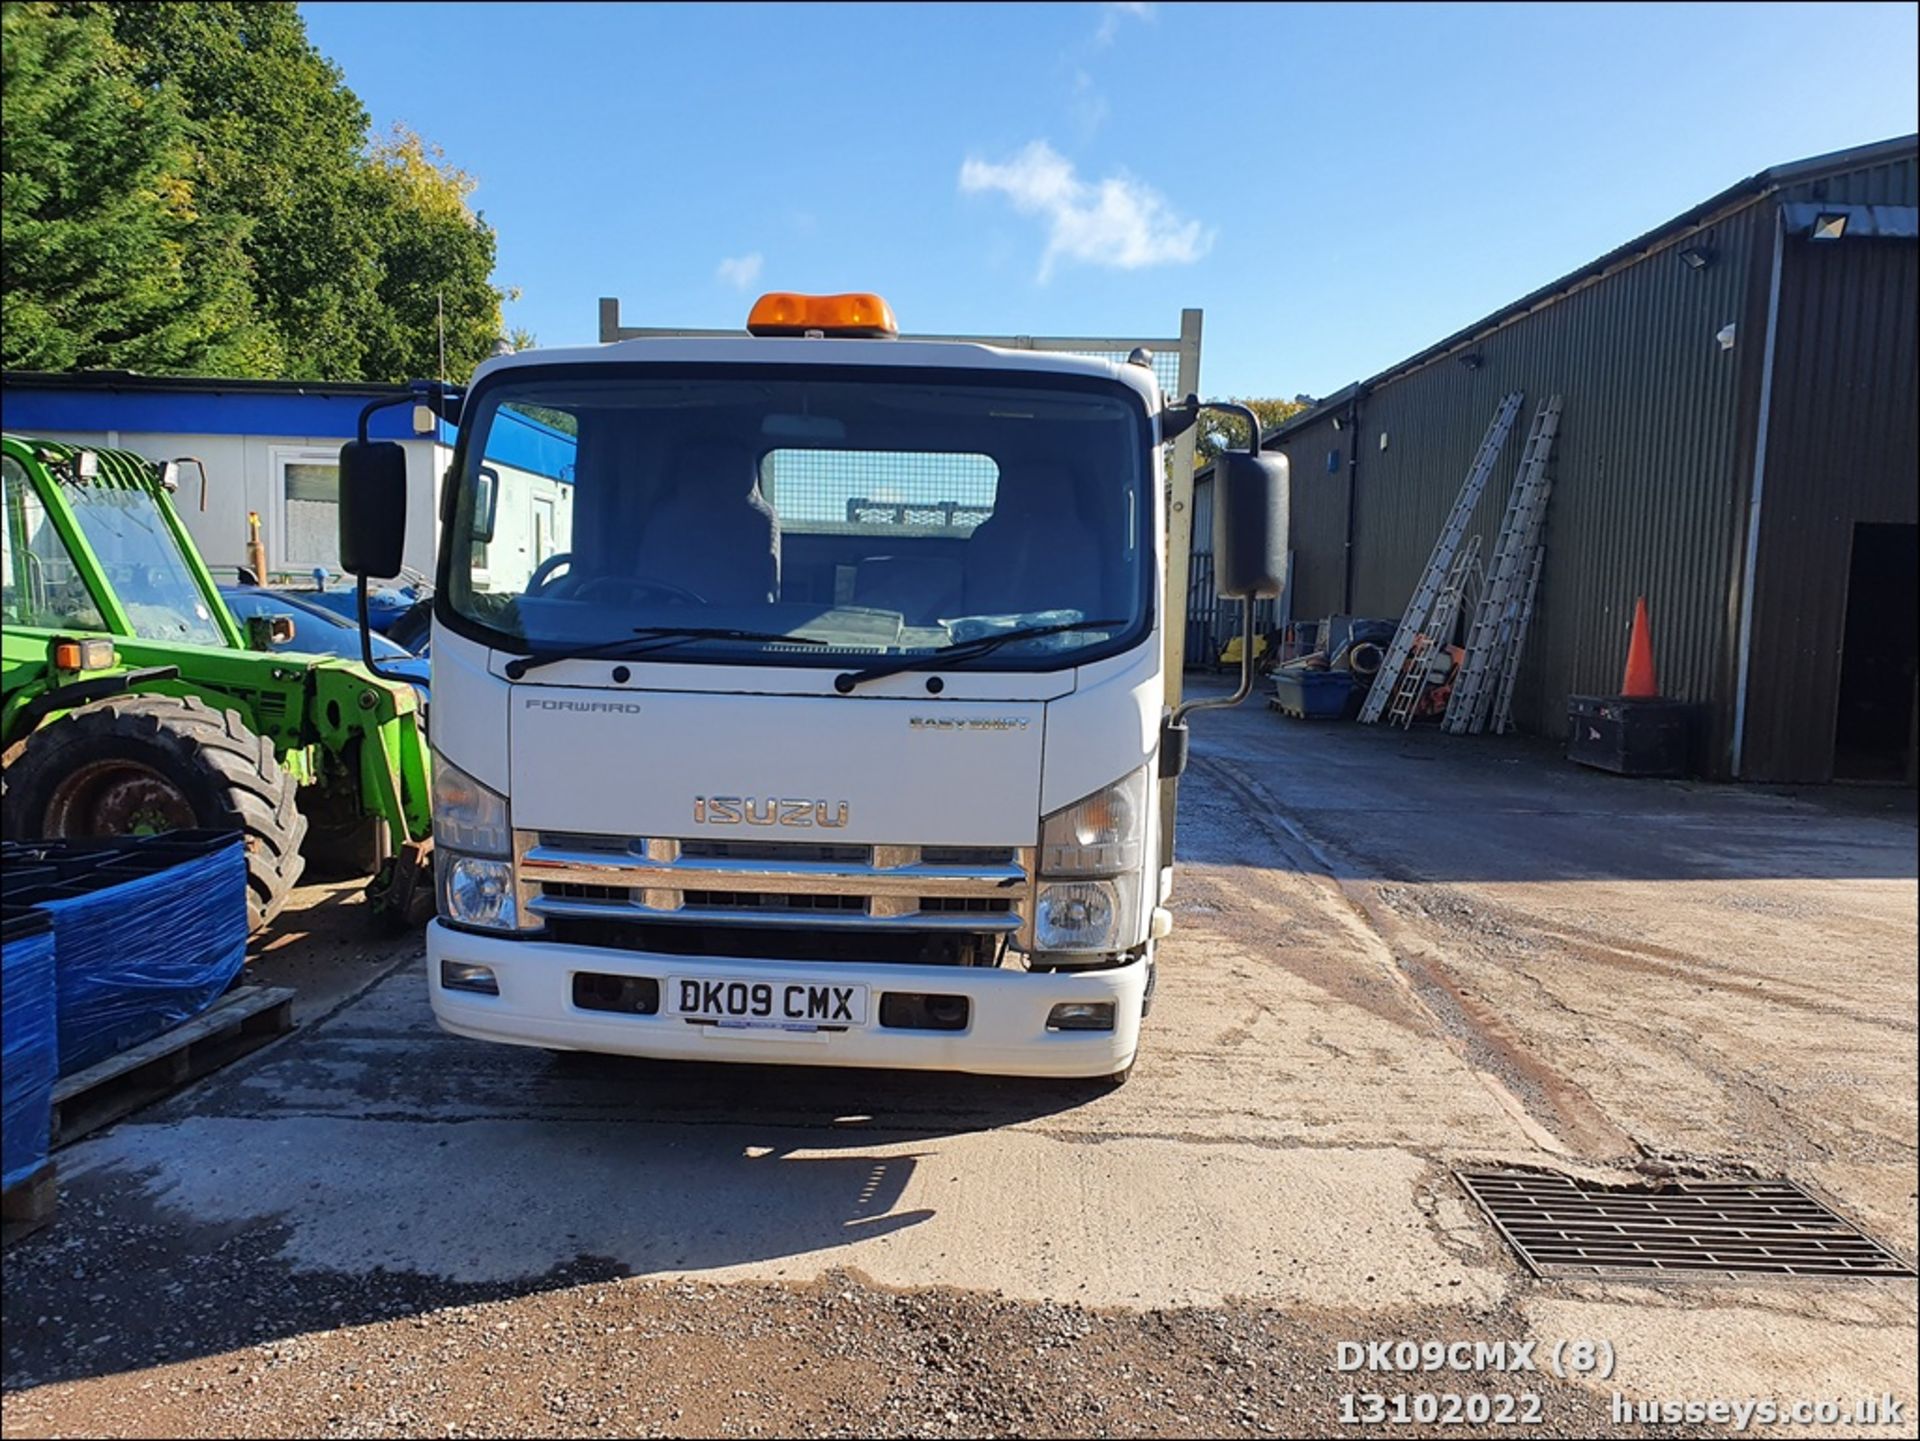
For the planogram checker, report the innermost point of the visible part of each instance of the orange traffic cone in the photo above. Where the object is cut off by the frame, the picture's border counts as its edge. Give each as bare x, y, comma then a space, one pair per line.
1639, 683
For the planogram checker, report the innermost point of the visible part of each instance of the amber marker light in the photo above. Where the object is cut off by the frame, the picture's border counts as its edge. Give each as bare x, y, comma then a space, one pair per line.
860, 315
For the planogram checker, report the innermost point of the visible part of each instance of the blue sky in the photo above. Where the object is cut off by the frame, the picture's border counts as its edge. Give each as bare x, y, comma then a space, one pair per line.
1336, 186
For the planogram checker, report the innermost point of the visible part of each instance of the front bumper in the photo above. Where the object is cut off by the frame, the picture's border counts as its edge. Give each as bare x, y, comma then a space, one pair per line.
1006, 1033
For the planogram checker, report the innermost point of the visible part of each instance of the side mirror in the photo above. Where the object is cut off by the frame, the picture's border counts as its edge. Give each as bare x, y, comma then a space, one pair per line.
267, 632
373, 507
1250, 504
486, 502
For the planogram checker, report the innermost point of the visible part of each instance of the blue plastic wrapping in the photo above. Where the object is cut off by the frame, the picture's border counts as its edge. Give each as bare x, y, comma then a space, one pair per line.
139, 955
28, 1055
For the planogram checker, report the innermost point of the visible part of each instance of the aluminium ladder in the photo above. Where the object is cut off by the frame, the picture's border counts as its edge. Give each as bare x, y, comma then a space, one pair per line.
1492, 635
1439, 630
1434, 577
1503, 702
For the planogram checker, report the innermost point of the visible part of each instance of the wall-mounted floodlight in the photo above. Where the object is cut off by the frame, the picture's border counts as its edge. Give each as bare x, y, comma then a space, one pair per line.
1725, 335
1829, 226
1338, 424
1698, 257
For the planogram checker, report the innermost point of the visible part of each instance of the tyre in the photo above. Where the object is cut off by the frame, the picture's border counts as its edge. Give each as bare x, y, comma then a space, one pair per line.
141, 764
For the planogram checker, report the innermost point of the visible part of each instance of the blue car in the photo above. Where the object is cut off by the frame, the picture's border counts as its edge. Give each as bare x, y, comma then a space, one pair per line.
384, 605
319, 631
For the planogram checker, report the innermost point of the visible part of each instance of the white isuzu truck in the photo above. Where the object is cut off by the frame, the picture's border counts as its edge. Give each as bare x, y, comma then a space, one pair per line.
826, 724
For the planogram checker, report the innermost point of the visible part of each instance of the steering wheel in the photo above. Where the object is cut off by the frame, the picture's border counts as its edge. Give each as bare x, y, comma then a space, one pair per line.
543, 572
634, 584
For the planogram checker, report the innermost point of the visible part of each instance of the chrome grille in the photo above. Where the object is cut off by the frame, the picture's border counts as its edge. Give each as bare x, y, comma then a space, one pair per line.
775, 851
754, 882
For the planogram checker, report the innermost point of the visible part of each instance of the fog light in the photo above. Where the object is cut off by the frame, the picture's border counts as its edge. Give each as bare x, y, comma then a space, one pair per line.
629, 995
917, 1011
458, 976
1081, 1016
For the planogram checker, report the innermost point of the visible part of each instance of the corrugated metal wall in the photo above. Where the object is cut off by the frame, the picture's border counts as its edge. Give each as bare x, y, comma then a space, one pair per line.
1895, 181
1318, 456
1843, 448
1653, 469
1647, 491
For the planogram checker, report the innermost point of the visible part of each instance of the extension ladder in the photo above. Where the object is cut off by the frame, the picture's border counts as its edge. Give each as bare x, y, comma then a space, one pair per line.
1413, 685
1413, 622
1503, 703
1491, 638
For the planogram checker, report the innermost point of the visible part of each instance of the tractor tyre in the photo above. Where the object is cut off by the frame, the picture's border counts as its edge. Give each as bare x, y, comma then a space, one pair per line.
148, 763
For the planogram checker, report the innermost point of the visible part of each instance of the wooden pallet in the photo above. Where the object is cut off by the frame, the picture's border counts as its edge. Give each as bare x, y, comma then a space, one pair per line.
27, 1205
243, 1020
1297, 713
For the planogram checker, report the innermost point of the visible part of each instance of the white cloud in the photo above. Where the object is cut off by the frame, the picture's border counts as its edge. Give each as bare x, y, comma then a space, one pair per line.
1113, 13
1120, 223
1088, 106
740, 271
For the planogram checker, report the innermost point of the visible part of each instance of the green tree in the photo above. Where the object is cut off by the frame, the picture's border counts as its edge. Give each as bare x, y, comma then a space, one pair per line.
109, 259
436, 260
1220, 431
350, 253
278, 142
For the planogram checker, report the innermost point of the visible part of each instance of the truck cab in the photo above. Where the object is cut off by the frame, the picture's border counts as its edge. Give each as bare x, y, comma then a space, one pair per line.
825, 727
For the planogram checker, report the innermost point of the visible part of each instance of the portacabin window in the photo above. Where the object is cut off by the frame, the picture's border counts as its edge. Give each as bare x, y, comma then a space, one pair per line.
309, 486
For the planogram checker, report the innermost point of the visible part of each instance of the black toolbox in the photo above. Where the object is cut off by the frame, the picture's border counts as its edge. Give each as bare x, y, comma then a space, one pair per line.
1629, 736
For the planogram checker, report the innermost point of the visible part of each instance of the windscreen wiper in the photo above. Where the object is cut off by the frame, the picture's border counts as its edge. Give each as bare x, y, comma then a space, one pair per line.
962, 650
646, 639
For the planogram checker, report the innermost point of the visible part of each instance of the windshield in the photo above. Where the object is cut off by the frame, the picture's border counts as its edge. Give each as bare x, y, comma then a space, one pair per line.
803, 522
42, 586
140, 560
143, 563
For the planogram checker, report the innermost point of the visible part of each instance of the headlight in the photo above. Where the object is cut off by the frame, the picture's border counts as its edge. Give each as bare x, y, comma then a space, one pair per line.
475, 891
472, 853
466, 815
1102, 835
1087, 917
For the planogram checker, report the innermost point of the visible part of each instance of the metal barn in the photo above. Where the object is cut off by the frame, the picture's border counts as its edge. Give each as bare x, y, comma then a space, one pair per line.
1738, 445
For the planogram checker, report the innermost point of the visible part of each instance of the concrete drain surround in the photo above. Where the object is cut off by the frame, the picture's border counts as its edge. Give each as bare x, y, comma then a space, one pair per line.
1565, 1227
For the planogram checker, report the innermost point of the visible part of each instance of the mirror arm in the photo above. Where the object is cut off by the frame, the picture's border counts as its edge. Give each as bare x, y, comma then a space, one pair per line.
442, 398
366, 636
1178, 721
1246, 671
438, 395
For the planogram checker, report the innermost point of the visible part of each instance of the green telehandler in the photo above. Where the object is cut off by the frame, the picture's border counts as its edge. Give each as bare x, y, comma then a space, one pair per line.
132, 702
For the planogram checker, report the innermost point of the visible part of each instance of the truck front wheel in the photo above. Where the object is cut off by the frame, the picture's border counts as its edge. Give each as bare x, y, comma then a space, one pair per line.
141, 764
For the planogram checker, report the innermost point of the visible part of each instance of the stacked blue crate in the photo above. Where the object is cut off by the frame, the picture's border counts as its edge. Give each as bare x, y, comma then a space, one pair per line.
29, 1057
147, 931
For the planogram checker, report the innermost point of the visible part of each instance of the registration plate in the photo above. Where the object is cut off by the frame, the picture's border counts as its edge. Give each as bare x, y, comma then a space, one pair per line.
787, 1005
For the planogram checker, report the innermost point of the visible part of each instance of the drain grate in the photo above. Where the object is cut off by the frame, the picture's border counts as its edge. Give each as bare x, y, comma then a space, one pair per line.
1562, 1226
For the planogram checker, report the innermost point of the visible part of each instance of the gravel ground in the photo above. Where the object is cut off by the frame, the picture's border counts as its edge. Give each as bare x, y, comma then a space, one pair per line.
587, 1355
